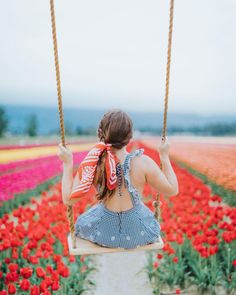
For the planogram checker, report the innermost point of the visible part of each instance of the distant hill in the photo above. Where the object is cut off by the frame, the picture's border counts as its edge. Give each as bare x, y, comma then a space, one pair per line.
48, 119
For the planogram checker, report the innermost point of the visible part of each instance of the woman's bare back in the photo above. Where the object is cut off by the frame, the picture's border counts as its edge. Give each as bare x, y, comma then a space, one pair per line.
143, 169
122, 203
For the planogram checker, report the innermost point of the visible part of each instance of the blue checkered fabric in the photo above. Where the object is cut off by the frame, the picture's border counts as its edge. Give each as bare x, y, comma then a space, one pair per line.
127, 229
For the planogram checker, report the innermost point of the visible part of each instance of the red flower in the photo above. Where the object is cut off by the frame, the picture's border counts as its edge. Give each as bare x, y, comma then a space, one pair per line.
11, 289
40, 272
155, 264
179, 239
72, 258
3, 292
82, 258
175, 259
11, 277
55, 276
35, 290
177, 291
57, 258
43, 286
48, 281
159, 256
55, 286
13, 267
25, 284
7, 260
234, 263
26, 272
25, 252
63, 270
49, 269
14, 254
34, 259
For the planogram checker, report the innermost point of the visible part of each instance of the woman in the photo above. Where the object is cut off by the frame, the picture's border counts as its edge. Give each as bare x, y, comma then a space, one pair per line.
120, 218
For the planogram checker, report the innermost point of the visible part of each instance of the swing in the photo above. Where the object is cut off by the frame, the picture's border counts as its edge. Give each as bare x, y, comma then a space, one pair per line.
78, 246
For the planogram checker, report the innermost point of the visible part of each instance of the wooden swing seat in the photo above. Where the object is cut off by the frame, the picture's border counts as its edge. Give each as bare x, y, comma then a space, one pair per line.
85, 247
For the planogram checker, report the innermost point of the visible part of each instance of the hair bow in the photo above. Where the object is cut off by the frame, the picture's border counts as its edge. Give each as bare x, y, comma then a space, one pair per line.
87, 168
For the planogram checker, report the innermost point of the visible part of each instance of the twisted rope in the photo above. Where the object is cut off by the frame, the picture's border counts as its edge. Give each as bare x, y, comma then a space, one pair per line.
156, 203
70, 214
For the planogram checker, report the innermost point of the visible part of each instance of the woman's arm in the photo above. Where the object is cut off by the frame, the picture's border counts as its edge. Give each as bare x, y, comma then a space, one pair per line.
67, 183
165, 180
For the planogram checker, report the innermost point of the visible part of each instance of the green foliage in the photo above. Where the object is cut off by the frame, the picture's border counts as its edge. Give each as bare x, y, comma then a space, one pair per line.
213, 129
3, 121
32, 125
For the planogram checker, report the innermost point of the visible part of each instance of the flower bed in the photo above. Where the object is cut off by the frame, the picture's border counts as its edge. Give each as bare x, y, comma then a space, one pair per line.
30, 173
33, 249
198, 231
199, 236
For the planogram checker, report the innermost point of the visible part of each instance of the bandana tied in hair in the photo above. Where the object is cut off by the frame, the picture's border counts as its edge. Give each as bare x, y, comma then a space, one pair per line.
87, 168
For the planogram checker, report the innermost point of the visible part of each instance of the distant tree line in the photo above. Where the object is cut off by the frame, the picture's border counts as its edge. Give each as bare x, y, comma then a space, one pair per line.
3, 121
213, 129
32, 124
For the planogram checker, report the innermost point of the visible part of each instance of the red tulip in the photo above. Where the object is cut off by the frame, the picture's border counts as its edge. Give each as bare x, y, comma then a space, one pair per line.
25, 284
11, 289
155, 264
175, 259
26, 272
55, 286
35, 290
12, 267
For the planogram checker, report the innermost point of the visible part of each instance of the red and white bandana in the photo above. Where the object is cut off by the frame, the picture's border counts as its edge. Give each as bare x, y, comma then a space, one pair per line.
87, 168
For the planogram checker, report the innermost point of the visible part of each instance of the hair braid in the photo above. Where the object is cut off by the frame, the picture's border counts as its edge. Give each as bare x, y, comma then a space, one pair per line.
115, 128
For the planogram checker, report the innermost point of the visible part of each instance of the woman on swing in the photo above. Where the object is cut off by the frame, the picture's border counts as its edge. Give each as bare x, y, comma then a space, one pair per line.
120, 219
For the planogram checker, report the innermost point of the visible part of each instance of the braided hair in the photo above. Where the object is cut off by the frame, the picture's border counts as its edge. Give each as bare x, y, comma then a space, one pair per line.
116, 128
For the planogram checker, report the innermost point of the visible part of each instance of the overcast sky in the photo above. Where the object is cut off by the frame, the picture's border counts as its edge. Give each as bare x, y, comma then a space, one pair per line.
113, 54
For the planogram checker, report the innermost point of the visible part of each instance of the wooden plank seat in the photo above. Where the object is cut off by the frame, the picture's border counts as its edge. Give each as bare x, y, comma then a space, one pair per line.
85, 247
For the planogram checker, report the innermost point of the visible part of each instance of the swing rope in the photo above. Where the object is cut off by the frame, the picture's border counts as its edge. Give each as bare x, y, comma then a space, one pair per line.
70, 214
156, 203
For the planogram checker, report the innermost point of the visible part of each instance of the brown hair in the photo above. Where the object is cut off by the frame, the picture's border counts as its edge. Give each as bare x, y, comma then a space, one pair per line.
116, 128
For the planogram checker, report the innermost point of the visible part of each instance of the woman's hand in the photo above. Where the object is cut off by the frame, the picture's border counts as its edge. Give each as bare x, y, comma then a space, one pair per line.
65, 154
164, 147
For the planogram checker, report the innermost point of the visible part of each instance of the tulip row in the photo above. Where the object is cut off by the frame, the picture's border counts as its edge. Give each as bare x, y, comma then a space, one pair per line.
216, 161
25, 146
30, 174
199, 235
13, 155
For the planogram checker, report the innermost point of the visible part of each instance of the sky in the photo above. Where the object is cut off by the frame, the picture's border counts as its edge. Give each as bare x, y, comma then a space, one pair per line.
113, 54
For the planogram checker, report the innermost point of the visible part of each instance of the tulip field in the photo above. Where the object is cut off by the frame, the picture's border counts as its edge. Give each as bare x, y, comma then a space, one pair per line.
198, 225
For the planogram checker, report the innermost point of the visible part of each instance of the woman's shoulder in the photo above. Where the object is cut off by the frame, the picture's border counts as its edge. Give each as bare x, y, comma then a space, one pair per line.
138, 157
137, 152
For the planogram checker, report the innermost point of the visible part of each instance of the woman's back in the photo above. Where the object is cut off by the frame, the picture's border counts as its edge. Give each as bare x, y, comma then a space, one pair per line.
132, 168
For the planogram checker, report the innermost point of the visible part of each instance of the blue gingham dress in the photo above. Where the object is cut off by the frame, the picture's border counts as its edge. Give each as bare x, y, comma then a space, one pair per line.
126, 229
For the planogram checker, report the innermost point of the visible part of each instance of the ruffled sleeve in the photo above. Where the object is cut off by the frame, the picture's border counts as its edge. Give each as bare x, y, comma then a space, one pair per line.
133, 154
